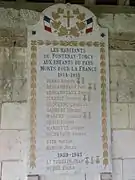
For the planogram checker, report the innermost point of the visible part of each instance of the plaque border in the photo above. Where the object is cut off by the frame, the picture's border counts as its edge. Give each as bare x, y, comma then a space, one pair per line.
33, 104
103, 103
101, 45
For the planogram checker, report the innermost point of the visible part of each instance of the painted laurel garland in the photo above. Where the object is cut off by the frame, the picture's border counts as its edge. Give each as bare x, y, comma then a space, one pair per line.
103, 104
33, 104
70, 43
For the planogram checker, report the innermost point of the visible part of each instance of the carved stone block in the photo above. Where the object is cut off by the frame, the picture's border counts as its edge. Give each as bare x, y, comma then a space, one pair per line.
119, 115
13, 37
18, 62
123, 145
20, 90
13, 144
123, 22
122, 80
132, 115
14, 116
126, 90
106, 20
117, 169
13, 170
122, 41
113, 96
6, 90
129, 169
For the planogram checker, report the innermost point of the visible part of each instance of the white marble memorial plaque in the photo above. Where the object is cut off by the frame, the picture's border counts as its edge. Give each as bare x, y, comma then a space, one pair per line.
69, 93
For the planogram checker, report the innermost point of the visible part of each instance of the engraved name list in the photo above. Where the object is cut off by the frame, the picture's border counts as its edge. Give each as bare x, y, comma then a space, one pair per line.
69, 86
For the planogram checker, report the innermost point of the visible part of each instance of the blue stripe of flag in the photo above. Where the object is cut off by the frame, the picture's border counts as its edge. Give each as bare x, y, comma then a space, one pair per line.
47, 19
90, 20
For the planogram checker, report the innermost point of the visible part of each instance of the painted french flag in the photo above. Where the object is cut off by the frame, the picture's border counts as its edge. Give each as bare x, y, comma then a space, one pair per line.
47, 24
89, 23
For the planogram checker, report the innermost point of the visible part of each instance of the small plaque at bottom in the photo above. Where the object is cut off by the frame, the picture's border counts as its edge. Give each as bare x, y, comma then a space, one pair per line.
106, 176
33, 177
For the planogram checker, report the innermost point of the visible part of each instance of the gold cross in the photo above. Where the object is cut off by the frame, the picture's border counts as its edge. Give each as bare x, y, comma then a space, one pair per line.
68, 16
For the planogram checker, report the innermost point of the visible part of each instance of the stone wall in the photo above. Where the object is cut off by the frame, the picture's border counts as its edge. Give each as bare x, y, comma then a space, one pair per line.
14, 123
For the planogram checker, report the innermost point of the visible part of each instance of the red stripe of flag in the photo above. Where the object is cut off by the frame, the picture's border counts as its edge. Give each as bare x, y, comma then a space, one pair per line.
89, 30
48, 29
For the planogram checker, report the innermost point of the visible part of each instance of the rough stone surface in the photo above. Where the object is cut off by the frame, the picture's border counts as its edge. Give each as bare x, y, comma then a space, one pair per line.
117, 169
113, 96
13, 74
13, 37
14, 116
132, 115
6, 90
13, 63
122, 58
107, 20
15, 18
119, 115
18, 58
122, 41
128, 169
4, 55
123, 21
13, 170
114, 77
122, 80
123, 145
20, 91
13, 144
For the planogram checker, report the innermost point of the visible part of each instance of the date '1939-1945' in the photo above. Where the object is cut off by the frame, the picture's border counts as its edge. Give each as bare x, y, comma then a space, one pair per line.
75, 154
